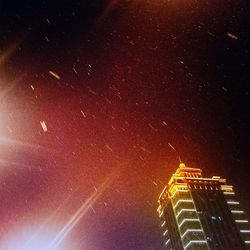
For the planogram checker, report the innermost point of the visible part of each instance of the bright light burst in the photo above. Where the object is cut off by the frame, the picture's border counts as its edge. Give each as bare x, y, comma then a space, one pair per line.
28, 239
43, 237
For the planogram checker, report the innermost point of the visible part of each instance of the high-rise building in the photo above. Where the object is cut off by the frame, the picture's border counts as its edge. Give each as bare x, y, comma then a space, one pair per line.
199, 213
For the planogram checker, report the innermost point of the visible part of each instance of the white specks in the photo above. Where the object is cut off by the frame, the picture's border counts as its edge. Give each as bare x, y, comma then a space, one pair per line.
54, 75
75, 71
171, 146
84, 114
155, 183
108, 147
145, 150
32, 87
232, 36
92, 92
44, 126
211, 34
164, 123
225, 89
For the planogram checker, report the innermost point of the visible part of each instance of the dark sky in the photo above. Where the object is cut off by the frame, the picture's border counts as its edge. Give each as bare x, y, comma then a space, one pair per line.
102, 90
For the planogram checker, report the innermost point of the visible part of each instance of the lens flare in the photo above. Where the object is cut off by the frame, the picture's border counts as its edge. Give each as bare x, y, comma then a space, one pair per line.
11, 49
80, 213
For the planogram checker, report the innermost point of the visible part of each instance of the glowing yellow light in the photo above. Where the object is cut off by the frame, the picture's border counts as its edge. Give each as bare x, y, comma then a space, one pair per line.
159, 209
163, 191
176, 191
216, 177
181, 201
182, 165
195, 242
188, 220
184, 210
191, 230
228, 188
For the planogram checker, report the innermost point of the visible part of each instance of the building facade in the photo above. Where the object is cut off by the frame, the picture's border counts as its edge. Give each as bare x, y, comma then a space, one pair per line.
200, 213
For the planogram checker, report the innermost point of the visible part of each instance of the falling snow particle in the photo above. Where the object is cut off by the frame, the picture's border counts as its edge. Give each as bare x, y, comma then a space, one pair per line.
164, 123
84, 115
145, 150
108, 147
171, 146
55, 75
232, 36
225, 89
44, 126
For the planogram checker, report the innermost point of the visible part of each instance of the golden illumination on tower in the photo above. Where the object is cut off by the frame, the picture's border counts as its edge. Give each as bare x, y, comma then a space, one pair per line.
194, 210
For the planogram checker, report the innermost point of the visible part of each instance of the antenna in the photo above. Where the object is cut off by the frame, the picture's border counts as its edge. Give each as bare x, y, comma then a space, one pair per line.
173, 148
180, 159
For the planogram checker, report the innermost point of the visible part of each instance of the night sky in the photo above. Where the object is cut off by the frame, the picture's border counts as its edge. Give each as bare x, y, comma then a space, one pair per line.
98, 102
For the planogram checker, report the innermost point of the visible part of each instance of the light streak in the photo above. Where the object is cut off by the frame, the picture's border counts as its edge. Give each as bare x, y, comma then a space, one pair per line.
159, 209
11, 85
54, 74
62, 234
108, 147
163, 191
5, 91
5, 140
171, 146
43, 226
110, 6
11, 49
84, 115
44, 126
232, 36
11, 163
183, 191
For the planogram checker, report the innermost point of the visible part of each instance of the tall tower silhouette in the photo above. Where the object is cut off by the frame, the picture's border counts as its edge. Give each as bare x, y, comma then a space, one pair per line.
199, 213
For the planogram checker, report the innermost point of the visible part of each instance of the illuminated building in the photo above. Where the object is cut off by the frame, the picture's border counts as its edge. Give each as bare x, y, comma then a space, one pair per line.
200, 213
